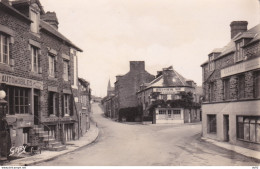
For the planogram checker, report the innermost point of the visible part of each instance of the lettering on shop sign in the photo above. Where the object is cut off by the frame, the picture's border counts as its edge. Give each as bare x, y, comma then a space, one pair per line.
21, 82
241, 67
17, 150
168, 90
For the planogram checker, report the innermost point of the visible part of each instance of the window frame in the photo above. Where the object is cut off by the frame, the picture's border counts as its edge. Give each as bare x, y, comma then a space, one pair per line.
35, 58
245, 123
51, 59
256, 84
66, 70
241, 86
2, 47
226, 89
212, 123
239, 51
34, 27
66, 101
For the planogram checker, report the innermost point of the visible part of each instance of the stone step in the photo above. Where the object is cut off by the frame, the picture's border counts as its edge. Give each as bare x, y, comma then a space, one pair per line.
55, 144
59, 148
51, 140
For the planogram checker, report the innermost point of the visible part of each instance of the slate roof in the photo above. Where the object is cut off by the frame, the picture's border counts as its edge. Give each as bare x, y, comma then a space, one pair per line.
169, 79
253, 33
44, 25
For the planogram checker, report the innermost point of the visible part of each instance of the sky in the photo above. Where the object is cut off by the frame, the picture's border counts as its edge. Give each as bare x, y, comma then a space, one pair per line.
163, 33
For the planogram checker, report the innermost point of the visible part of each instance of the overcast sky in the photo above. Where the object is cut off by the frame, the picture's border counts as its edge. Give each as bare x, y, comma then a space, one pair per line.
163, 33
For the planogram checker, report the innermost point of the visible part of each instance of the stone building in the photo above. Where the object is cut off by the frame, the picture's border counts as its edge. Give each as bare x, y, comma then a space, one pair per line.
85, 108
231, 86
160, 98
38, 71
126, 86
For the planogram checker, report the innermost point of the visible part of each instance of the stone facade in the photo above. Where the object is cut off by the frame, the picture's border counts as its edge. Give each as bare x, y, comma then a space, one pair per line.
126, 86
167, 88
36, 93
235, 78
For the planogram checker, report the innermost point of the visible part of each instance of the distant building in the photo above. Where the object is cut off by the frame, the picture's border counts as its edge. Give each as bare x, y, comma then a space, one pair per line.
231, 86
125, 89
161, 98
85, 108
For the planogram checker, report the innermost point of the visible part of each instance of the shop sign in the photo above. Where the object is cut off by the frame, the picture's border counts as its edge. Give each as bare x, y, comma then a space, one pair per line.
21, 82
241, 67
57, 119
168, 90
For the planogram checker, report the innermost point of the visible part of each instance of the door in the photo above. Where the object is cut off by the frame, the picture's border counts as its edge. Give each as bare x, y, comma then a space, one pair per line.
226, 128
36, 110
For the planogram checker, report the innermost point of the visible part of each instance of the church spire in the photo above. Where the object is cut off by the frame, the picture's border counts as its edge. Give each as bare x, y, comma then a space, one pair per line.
109, 85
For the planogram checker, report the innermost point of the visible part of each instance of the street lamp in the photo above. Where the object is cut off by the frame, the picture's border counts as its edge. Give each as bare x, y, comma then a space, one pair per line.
5, 141
3, 104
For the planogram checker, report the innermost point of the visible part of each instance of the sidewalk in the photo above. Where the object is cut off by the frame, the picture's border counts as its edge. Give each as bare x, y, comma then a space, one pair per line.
85, 140
237, 149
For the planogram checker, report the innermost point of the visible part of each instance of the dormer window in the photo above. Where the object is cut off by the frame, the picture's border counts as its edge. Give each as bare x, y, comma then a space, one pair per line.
35, 17
211, 63
239, 51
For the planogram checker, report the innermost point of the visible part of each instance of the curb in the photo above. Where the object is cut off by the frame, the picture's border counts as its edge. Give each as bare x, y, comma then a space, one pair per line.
214, 142
56, 156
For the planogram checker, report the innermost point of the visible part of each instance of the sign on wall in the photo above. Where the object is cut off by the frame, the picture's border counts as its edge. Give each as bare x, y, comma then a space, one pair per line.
21, 82
172, 90
241, 67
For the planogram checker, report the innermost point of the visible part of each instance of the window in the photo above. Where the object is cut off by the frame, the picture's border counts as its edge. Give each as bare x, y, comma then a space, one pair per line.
84, 101
18, 100
162, 112
35, 23
248, 128
169, 113
212, 91
65, 70
226, 84
176, 114
211, 63
257, 84
212, 124
241, 86
35, 59
67, 105
4, 49
239, 51
53, 103
52, 65
169, 97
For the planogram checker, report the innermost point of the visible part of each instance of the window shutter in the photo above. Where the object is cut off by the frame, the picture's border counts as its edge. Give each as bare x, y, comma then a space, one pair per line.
71, 105
57, 104
50, 104
62, 104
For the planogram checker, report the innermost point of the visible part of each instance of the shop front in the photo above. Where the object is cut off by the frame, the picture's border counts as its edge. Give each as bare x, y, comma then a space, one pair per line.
169, 116
23, 106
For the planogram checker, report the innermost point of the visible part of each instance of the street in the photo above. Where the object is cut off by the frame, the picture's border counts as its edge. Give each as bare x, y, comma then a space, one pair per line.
149, 145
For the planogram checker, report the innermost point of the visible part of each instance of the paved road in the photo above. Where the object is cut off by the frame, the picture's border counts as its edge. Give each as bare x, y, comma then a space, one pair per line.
145, 145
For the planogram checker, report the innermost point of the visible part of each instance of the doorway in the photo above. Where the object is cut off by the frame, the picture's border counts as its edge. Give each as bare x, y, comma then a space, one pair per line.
36, 108
226, 128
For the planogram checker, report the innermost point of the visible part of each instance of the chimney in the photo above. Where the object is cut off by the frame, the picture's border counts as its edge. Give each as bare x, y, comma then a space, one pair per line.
137, 66
118, 77
51, 18
237, 27
168, 76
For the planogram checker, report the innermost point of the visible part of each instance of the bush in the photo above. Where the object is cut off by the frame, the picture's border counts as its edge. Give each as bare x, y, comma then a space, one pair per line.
130, 113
